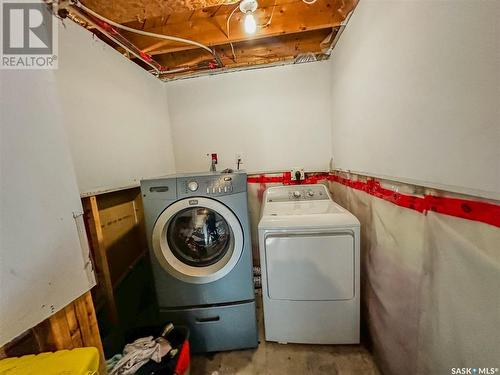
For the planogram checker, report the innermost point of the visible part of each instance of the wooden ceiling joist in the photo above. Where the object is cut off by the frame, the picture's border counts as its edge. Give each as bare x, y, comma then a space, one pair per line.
286, 29
124, 11
265, 51
289, 18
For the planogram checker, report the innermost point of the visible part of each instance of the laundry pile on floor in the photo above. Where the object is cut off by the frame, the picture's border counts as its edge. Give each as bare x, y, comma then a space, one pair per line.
143, 350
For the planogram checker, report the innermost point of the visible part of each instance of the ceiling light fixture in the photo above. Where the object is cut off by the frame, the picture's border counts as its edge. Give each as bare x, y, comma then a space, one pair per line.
248, 7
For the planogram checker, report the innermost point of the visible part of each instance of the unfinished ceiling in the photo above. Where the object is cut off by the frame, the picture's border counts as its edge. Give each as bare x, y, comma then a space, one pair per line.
287, 31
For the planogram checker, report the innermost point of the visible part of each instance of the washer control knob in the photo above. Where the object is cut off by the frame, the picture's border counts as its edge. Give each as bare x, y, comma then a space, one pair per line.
193, 186
296, 194
310, 193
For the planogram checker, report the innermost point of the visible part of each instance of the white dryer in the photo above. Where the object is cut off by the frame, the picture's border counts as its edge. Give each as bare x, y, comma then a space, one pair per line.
309, 255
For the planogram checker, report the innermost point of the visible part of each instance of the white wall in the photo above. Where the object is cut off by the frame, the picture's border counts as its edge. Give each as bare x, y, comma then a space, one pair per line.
44, 258
278, 118
115, 114
416, 92
99, 122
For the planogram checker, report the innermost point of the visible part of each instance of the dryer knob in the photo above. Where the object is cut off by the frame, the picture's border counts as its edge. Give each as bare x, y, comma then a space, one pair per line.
310, 193
193, 186
296, 194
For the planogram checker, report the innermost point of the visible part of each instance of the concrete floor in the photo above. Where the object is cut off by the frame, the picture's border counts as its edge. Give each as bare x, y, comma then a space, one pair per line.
290, 359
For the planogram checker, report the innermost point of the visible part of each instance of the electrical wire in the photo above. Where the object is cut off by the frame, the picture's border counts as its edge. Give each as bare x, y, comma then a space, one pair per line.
145, 33
227, 29
271, 17
261, 26
229, 18
232, 51
82, 16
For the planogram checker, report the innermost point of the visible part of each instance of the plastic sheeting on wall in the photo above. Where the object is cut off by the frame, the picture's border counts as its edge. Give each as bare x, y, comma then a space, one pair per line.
460, 320
430, 286
255, 194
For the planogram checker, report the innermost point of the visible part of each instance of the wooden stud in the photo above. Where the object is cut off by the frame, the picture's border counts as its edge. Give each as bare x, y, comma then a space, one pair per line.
100, 256
59, 334
74, 326
89, 330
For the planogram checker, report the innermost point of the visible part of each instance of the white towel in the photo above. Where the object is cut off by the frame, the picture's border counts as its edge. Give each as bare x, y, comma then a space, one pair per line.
137, 354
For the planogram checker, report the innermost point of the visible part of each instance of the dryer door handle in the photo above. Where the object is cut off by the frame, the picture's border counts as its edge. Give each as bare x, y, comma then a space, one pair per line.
208, 319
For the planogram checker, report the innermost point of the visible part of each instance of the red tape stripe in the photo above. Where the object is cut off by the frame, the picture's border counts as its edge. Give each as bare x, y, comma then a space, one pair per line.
484, 212
286, 179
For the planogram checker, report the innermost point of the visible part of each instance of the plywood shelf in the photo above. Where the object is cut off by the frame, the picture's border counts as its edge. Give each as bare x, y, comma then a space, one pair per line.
115, 226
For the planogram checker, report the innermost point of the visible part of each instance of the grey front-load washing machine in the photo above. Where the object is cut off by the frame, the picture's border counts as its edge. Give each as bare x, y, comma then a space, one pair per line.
199, 241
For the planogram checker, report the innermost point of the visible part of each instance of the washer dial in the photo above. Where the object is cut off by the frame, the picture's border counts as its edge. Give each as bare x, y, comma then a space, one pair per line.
193, 186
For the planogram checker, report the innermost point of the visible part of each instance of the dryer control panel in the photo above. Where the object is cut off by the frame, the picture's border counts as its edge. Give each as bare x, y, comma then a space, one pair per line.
297, 193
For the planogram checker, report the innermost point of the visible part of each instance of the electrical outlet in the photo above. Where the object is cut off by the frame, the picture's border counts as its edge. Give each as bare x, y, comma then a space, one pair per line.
294, 174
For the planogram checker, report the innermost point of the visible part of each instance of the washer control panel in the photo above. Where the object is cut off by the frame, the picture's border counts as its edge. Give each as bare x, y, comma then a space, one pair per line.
297, 193
220, 186
215, 184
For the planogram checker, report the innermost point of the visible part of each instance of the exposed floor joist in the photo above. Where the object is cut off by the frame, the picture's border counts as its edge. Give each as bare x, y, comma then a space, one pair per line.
266, 51
289, 18
286, 29
124, 11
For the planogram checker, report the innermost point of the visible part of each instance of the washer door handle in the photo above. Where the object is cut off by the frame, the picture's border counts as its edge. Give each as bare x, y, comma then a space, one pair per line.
158, 189
208, 320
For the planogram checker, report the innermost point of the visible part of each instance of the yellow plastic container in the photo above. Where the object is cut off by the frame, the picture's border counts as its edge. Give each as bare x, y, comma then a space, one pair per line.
81, 361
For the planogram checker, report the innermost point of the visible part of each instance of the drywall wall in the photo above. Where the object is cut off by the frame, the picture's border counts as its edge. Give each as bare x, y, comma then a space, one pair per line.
99, 122
44, 255
114, 112
278, 118
415, 93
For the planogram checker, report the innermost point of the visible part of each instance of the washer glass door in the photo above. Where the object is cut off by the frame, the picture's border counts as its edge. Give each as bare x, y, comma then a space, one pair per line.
199, 236
197, 240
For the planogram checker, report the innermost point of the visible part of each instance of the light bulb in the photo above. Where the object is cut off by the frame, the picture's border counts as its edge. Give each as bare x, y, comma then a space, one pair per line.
250, 24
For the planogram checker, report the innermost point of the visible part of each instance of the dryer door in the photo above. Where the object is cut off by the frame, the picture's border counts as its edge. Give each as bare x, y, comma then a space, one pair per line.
197, 240
310, 267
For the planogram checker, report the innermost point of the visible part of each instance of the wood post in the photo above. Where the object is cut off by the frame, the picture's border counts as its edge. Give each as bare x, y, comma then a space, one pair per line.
98, 248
